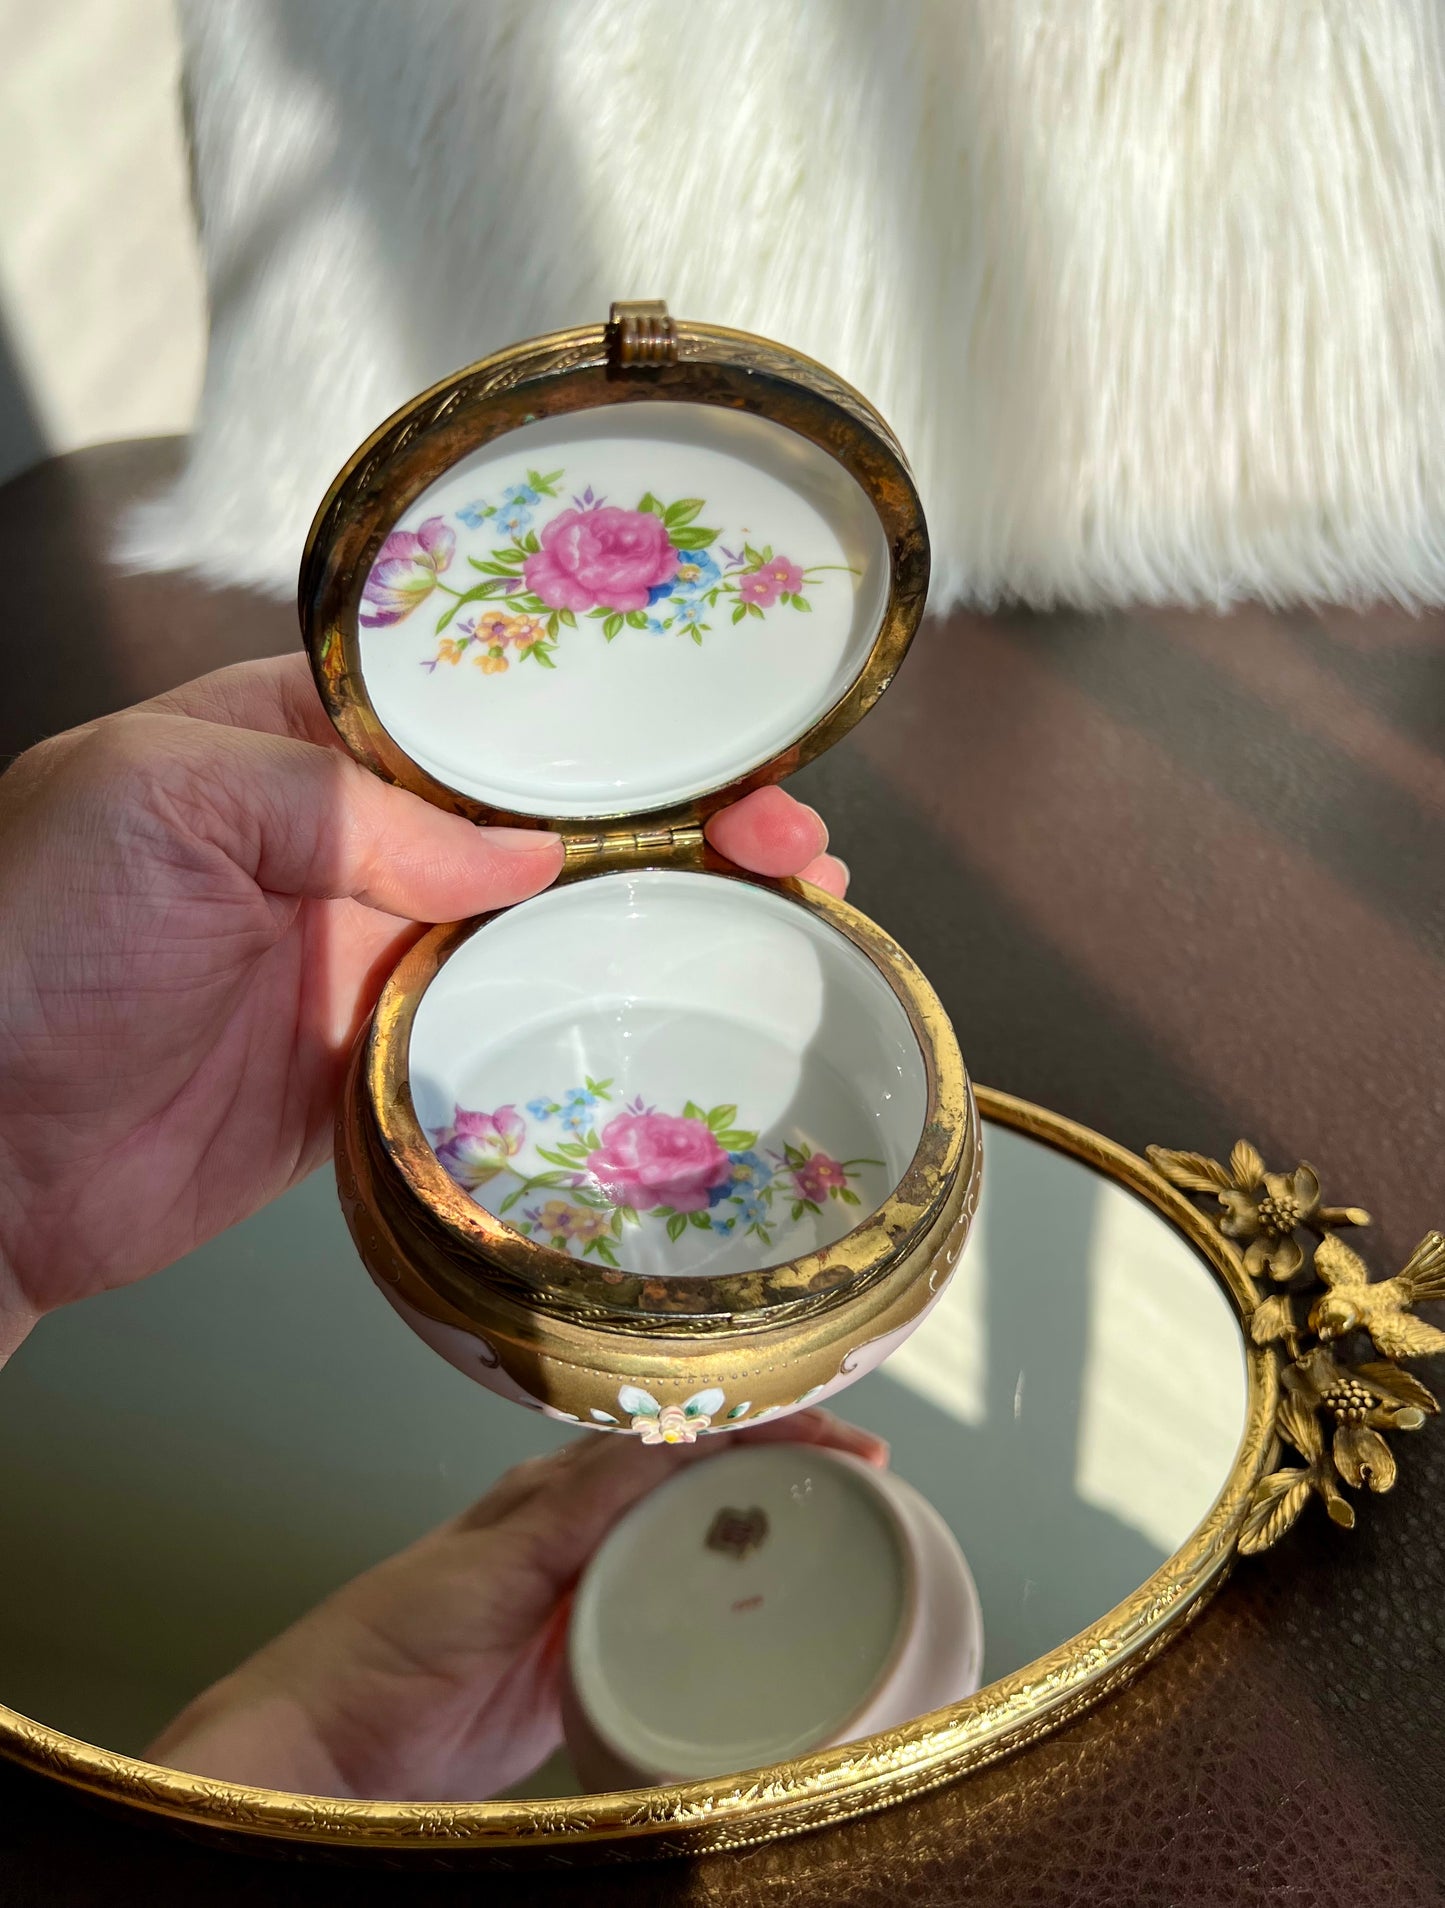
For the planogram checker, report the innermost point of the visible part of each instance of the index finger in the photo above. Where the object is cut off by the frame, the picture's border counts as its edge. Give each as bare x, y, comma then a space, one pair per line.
274, 695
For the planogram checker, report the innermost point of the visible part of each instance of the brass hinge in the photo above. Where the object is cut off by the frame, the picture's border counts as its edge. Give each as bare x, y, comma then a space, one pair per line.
640, 333
637, 847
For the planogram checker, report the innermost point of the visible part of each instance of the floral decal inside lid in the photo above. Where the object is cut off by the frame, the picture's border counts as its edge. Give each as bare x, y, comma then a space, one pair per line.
615, 611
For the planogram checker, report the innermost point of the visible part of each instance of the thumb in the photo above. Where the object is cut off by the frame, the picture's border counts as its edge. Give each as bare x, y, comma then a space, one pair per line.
306, 820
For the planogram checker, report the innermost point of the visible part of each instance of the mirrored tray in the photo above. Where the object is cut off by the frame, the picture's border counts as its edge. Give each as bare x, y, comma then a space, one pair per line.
1094, 1409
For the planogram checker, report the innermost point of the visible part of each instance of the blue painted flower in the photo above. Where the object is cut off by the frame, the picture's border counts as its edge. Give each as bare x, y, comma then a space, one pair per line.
752, 1211
659, 593
576, 1109
724, 1225
514, 520
688, 615
656, 627
696, 573
521, 494
473, 515
751, 1172
541, 1109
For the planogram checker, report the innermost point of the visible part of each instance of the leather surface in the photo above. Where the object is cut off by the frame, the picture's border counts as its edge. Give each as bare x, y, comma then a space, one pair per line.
1182, 878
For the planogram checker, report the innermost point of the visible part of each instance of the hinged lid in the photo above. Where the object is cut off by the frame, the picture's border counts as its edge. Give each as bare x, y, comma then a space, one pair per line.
618, 574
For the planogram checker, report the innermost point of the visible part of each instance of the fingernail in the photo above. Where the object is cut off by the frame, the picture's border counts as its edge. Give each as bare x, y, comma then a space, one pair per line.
847, 871
521, 841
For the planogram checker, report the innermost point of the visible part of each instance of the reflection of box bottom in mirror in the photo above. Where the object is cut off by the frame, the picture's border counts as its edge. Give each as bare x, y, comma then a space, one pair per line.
772, 1601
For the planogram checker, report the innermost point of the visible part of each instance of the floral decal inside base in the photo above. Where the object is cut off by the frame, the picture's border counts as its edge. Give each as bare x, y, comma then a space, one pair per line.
607, 1172
535, 570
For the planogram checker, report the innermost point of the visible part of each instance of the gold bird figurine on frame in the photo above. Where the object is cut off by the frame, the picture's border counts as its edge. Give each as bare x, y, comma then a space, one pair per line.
1353, 1304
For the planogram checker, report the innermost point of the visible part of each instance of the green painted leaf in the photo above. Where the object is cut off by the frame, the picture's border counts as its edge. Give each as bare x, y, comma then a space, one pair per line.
511, 1200
543, 655
496, 569
801, 603
552, 624
676, 1226
612, 627
649, 502
447, 616
599, 615
754, 557
753, 610
848, 1198
590, 1144
767, 553
617, 1225
797, 1210
692, 1111
735, 1140
637, 619
700, 1220
693, 536
629, 1215
678, 514
598, 1087
568, 617
531, 543
721, 1116
740, 612
562, 1155
697, 633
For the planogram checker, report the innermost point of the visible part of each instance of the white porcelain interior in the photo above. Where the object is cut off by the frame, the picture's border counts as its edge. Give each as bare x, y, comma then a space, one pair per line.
669, 1073
543, 698
794, 1567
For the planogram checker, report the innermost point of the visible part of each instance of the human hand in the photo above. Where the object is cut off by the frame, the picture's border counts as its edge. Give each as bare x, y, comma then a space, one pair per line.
436, 1675
204, 895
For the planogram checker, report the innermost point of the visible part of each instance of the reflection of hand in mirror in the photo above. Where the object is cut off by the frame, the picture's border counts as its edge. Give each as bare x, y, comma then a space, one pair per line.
435, 1676
204, 895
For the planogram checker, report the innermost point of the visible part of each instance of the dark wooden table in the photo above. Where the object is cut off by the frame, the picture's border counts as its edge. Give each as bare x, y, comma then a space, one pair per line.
1181, 877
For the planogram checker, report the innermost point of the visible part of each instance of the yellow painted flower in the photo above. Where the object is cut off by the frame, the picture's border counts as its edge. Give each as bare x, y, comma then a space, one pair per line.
449, 650
588, 1224
493, 663
525, 631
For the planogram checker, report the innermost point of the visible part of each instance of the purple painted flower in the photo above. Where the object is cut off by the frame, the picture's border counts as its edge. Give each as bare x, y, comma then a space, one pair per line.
405, 572
819, 1176
475, 1146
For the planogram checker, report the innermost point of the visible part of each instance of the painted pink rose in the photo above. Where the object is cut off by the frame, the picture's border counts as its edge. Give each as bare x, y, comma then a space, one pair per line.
817, 1176
474, 1146
658, 1159
601, 559
405, 572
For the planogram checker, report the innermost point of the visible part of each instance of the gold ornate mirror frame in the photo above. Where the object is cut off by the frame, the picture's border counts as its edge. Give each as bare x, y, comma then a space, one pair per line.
1298, 1390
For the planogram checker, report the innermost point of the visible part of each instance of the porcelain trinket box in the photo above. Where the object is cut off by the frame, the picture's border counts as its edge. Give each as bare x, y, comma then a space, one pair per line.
670, 1148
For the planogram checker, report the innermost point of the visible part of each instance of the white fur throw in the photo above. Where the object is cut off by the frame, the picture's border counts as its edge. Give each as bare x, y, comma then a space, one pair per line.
1153, 293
